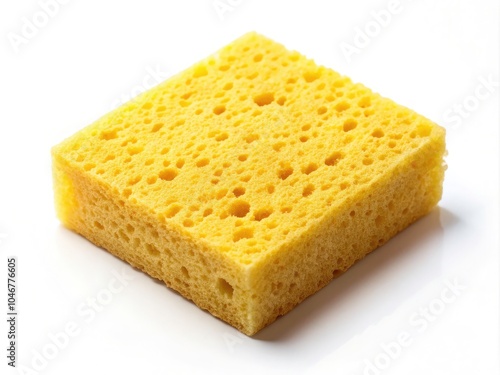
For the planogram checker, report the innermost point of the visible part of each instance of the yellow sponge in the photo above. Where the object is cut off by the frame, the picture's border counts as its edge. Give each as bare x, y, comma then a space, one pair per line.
250, 180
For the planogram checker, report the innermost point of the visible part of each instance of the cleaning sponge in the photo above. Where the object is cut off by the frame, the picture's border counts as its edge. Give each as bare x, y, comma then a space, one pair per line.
250, 180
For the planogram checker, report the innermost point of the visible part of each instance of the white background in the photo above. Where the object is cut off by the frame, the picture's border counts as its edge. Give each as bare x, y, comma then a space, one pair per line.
88, 56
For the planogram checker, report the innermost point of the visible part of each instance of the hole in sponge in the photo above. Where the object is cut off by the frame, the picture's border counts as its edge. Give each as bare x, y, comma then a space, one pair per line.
242, 233
364, 102
202, 162
239, 191
342, 106
264, 99
188, 223
185, 272
156, 127
239, 208
263, 213
311, 75
333, 159
257, 57
98, 225
281, 100
109, 134
224, 287
221, 137
173, 210
308, 190
350, 124
168, 174
134, 180
278, 146
219, 109
251, 137
285, 172
152, 250
311, 167
367, 161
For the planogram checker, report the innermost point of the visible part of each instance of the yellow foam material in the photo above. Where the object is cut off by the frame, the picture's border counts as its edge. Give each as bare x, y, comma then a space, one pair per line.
250, 180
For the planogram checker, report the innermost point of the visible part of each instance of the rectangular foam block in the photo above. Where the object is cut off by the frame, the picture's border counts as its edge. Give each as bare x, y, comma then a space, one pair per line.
250, 180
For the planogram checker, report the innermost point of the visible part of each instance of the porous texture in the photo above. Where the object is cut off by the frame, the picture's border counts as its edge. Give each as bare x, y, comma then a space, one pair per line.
250, 180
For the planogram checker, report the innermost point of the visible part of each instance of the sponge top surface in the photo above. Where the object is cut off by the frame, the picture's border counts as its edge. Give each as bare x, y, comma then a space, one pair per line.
248, 148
